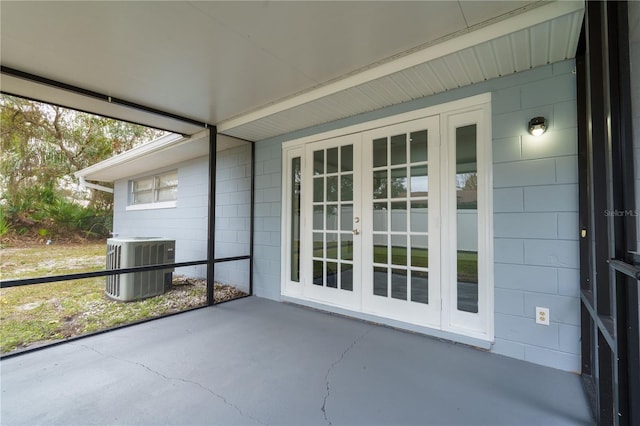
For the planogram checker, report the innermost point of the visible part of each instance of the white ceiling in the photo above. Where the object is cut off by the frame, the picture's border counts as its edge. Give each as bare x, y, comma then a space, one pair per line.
239, 64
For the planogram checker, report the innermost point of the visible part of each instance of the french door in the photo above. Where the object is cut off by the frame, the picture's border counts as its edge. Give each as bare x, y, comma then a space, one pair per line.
394, 221
401, 276
332, 209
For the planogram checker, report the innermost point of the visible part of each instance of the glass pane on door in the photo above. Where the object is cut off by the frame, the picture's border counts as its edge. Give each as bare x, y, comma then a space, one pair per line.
467, 218
333, 208
400, 217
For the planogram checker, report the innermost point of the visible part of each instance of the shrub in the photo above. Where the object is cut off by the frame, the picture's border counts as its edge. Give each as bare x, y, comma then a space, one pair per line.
46, 213
5, 226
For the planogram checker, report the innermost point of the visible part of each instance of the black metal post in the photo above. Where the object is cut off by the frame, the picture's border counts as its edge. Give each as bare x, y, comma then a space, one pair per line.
598, 108
584, 209
609, 294
623, 192
211, 242
252, 225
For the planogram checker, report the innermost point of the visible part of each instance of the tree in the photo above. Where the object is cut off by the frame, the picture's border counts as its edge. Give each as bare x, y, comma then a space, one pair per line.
43, 145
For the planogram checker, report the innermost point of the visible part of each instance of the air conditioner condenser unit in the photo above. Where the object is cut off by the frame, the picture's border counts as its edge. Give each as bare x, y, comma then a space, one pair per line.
139, 251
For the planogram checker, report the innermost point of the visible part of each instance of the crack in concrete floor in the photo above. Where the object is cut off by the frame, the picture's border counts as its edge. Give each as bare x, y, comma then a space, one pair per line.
179, 379
330, 370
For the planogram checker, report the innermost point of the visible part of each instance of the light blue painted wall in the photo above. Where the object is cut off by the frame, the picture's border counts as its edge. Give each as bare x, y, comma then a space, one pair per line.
266, 243
233, 214
187, 223
535, 205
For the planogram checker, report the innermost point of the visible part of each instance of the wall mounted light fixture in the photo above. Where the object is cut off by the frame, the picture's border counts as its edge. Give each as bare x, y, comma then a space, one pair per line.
537, 126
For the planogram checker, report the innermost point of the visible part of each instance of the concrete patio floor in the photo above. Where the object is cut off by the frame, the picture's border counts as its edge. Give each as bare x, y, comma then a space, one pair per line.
259, 362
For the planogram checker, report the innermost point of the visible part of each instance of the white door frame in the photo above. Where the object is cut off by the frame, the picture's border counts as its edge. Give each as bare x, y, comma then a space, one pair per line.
476, 109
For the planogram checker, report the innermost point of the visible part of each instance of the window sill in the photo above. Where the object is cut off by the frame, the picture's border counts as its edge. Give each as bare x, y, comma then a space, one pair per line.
153, 206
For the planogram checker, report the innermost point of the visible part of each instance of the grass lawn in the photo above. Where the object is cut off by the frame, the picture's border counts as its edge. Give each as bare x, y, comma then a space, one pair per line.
41, 313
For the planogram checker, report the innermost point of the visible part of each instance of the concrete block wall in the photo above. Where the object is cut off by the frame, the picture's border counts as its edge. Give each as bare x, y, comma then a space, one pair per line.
186, 223
535, 207
268, 198
233, 214
536, 220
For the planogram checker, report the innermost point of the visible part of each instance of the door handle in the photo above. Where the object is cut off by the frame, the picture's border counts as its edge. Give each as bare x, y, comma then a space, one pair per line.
356, 232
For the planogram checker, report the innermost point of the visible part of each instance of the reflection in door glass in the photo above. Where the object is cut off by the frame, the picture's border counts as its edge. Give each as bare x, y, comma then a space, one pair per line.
296, 178
380, 152
346, 188
419, 181
420, 286
332, 188
380, 184
318, 272
346, 217
346, 161
318, 217
399, 284
346, 276
418, 143
332, 274
467, 218
318, 162
400, 218
398, 182
419, 216
346, 246
419, 251
380, 281
380, 248
398, 149
331, 249
332, 160
333, 217
318, 189
399, 250
318, 244
380, 216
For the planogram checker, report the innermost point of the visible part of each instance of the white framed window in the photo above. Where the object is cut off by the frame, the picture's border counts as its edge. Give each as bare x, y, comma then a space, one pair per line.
154, 192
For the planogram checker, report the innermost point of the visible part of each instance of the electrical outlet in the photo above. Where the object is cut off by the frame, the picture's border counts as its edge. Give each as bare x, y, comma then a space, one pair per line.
542, 316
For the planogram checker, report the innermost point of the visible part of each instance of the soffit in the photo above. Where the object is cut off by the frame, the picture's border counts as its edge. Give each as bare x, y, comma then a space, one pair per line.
553, 37
214, 62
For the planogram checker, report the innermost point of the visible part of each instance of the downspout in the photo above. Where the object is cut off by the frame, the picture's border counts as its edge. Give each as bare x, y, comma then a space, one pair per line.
86, 184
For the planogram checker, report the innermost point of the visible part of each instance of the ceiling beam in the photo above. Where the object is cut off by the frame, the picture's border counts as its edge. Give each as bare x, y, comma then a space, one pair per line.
41, 89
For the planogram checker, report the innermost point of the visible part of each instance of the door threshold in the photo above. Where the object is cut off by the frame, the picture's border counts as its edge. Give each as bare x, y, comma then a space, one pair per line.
404, 326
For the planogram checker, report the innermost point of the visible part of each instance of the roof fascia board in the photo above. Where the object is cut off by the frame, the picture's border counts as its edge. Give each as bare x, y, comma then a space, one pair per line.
535, 16
160, 144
